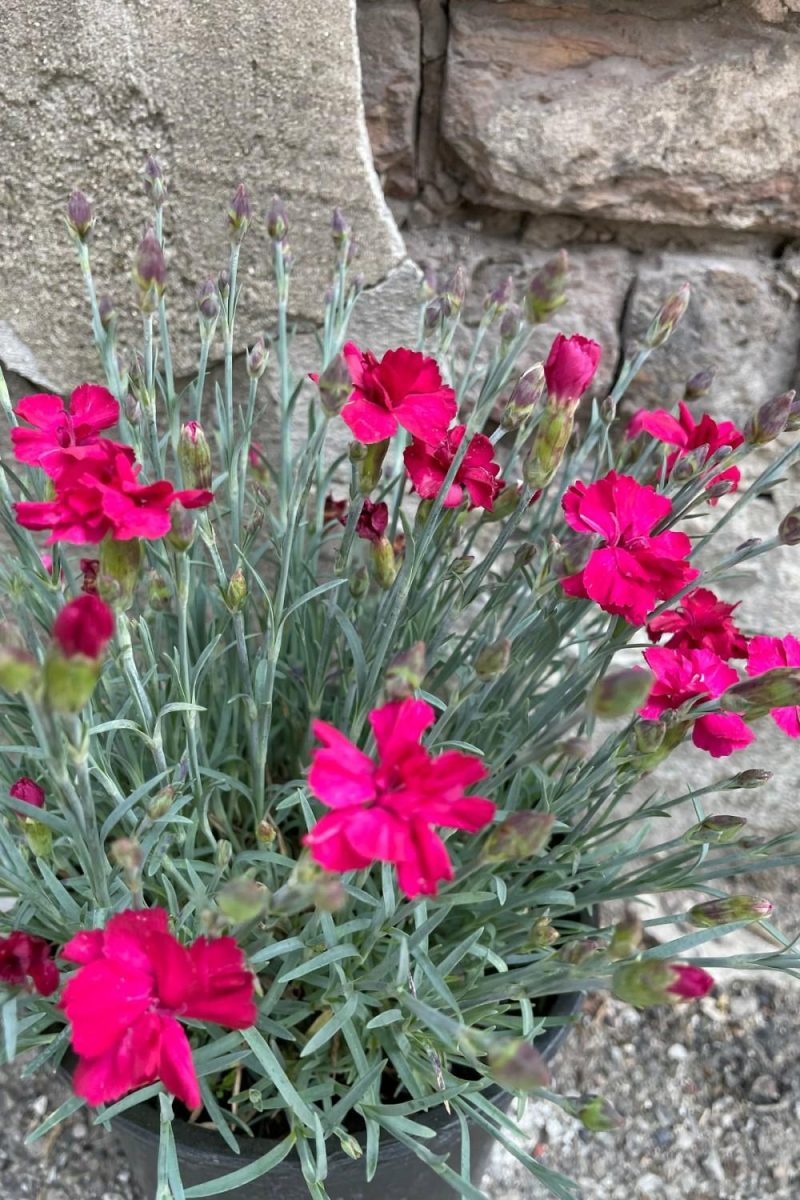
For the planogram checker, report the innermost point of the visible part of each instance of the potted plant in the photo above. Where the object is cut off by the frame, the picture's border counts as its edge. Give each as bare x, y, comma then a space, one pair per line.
318, 755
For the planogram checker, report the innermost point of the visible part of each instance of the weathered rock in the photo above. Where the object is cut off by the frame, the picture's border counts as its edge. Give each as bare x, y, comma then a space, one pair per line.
224, 92
683, 112
389, 37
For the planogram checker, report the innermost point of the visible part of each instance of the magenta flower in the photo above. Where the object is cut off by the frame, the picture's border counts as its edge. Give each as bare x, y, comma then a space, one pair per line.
690, 983
427, 466
687, 435
404, 389
29, 791
57, 426
570, 368
98, 493
123, 1005
25, 962
384, 811
766, 653
686, 676
700, 622
84, 626
633, 568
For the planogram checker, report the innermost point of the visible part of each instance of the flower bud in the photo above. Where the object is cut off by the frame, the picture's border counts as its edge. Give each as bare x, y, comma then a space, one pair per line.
727, 910
80, 218
154, 183
38, 836
793, 423
133, 409
161, 803
621, 692
789, 528
715, 831
542, 934
521, 835
81, 632
460, 566
257, 358
569, 369
239, 214
329, 894
194, 456
243, 900
159, 593
370, 466
350, 1145
517, 1065
455, 291
527, 393
667, 317
127, 854
384, 567
266, 832
120, 565
719, 487
546, 290
405, 673
107, 314
428, 285
150, 272
505, 504
182, 529
28, 791
510, 326
341, 231
223, 853
358, 583
335, 385
769, 420
655, 981
752, 778
498, 299
236, 593
208, 306
778, 688
626, 938
698, 386
581, 950
277, 220
571, 554
434, 315
493, 660
597, 1115
547, 448
19, 670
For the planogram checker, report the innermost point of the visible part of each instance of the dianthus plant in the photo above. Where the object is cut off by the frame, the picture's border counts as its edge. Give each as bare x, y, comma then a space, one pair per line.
321, 773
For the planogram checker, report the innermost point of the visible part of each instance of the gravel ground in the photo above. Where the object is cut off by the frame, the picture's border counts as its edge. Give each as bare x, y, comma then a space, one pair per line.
710, 1093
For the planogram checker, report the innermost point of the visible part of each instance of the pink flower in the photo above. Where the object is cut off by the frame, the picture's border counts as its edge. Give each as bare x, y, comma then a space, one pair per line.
684, 676
633, 568
25, 962
700, 622
372, 521
57, 426
98, 493
405, 388
384, 811
84, 626
570, 367
690, 983
427, 466
688, 435
766, 653
28, 790
135, 981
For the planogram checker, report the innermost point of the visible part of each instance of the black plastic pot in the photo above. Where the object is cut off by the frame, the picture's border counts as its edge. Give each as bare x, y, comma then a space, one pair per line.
203, 1156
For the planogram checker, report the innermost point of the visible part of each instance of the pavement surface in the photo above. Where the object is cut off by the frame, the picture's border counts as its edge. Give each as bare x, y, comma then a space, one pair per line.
710, 1093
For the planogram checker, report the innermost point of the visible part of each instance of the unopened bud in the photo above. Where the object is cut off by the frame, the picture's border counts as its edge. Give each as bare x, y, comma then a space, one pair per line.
38, 836
350, 1145
405, 672
720, 830
755, 777
547, 289
161, 803
455, 291
107, 313
194, 456
243, 900
581, 950
542, 934
335, 385
150, 272
655, 981
79, 216
493, 660
154, 183
384, 567
127, 854
549, 443
621, 692
277, 220
571, 554
434, 315
182, 528
698, 386
159, 593
521, 835
358, 583
517, 1065
460, 566
118, 575
510, 325
527, 394
371, 465
793, 423
720, 487
239, 214
626, 938
223, 853
729, 909
498, 299
208, 306
257, 357
428, 286
329, 894
236, 593
667, 317
19, 670
266, 832
789, 528
340, 229
597, 1115
778, 688
770, 420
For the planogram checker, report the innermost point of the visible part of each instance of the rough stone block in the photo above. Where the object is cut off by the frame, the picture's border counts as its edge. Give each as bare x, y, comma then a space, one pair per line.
389, 37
